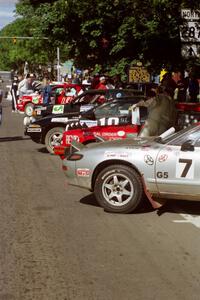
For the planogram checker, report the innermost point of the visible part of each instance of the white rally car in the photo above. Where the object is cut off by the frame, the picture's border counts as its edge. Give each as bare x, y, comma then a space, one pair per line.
120, 172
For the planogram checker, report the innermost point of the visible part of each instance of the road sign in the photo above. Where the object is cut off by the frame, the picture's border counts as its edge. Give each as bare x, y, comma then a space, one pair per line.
190, 32
190, 50
189, 14
138, 75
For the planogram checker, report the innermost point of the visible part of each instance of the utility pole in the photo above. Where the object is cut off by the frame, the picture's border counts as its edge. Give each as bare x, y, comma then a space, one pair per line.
58, 64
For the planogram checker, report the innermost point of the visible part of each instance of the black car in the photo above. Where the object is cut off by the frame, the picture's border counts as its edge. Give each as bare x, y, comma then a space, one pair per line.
49, 130
83, 102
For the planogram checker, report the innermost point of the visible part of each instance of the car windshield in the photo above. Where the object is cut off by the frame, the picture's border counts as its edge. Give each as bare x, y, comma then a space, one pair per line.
191, 133
113, 109
87, 98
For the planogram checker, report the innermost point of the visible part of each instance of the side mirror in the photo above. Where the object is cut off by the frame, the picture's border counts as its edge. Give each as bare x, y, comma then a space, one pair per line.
187, 146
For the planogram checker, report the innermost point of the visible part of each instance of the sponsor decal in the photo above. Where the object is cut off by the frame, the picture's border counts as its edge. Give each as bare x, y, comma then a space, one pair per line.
112, 154
121, 133
70, 138
61, 120
41, 108
83, 172
86, 107
89, 123
58, 109
162, 157
148, 160
35, 100
34, 129
109, 134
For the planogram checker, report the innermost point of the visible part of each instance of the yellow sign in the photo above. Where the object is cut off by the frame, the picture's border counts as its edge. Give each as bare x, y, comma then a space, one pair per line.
162, 73
138, 75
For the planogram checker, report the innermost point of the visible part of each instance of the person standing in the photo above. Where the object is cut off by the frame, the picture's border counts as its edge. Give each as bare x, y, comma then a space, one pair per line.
193, 87
102, 83
161, 113
14, 89
25, 86
1, 89
46, 91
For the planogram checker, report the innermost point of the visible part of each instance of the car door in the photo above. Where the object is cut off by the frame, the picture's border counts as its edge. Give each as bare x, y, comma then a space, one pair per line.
177, 168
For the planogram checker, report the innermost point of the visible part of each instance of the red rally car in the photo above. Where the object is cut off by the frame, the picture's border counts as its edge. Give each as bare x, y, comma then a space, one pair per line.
98, 133
60, 94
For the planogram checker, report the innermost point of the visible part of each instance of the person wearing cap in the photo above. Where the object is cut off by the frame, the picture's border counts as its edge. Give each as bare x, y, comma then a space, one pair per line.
102, 83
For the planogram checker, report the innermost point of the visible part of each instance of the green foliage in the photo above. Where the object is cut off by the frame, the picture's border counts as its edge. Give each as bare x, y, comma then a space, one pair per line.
100, 34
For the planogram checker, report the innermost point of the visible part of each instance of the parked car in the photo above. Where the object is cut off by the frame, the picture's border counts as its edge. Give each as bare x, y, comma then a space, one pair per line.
187, 114
82, 102
116, 128
58, 96
49, 130
120, 172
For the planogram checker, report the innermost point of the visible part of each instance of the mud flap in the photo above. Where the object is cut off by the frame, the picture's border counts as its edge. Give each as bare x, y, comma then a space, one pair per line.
156, 203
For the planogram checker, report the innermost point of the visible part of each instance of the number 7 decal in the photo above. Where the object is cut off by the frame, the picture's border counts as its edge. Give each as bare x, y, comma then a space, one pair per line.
188, 163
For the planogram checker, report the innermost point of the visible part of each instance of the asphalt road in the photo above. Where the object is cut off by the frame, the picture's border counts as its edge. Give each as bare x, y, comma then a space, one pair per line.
57, 243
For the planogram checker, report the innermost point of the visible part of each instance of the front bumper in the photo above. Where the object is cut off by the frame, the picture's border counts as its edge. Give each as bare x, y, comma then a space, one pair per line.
36, 136
20, 107
74, 176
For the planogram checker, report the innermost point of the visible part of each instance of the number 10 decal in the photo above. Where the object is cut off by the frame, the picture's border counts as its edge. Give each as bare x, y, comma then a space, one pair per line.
108, 121
185, 168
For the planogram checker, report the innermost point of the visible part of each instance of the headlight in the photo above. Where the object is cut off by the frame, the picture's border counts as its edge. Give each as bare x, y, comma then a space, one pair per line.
26, 121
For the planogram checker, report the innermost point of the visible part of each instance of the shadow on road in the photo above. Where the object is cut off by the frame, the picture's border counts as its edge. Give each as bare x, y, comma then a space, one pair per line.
91, 200
43, 150
180, 206
13, 138
171, 206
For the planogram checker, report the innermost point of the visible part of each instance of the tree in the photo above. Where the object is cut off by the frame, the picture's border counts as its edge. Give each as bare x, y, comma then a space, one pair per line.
109, 34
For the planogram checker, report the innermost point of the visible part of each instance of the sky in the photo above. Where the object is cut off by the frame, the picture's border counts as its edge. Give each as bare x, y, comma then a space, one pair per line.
6, 12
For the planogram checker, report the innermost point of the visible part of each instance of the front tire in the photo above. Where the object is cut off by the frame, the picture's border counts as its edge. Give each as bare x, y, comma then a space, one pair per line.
53, 138
119, 189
